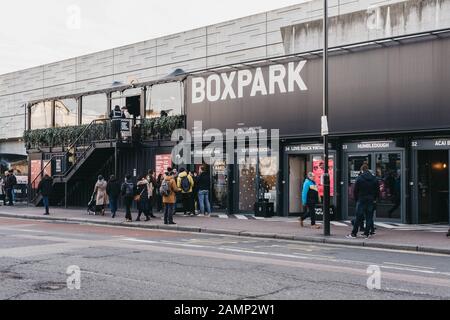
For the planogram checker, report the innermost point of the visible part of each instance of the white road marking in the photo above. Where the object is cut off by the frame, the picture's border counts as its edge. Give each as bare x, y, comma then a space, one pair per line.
223, 216
384, 225
241, 217
338, 224
408, 265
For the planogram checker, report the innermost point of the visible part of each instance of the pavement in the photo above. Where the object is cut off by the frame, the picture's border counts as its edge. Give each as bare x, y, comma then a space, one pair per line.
428, 238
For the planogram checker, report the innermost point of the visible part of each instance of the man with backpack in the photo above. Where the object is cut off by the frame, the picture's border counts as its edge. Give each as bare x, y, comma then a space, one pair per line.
128, 191
168, 191
186, 184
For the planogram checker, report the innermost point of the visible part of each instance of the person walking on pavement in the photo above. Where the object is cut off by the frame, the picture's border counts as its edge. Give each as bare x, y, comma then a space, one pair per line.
152, 195
186, 184
102, 196
168, 191
2, 190
143, 191
159, 203
128, 191
365, 193
116, 117
310, 198
203, 183
11, 181
113, 192
45, 189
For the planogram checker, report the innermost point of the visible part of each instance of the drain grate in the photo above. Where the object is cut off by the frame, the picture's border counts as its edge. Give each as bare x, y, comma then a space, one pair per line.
50, 286
10, 275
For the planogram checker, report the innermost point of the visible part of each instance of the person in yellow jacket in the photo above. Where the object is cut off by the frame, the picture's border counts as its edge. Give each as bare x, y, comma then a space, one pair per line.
186, 184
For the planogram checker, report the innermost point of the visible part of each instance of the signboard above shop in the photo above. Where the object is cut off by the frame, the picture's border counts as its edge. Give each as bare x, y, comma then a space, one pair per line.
432, 144
369, 146
289, 96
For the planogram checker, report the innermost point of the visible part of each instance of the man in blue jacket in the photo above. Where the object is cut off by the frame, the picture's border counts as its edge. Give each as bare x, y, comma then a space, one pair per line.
310, 199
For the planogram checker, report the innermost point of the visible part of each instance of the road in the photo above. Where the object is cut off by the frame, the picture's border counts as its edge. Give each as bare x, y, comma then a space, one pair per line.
126, 263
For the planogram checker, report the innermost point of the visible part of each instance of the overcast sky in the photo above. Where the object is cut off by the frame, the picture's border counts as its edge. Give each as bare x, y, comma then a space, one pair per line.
34, 32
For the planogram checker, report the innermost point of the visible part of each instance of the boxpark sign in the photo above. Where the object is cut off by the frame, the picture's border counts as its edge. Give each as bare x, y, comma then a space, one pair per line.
229, 86
372, 91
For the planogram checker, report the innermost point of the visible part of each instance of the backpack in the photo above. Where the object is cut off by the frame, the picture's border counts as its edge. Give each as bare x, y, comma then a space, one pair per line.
185, 184
313, 197
129, 189
165, 188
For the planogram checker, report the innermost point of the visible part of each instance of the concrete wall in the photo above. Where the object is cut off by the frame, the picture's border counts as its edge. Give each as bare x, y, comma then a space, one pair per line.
263, 35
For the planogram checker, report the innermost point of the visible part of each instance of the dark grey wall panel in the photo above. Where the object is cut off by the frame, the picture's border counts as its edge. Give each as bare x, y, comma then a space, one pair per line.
405, 87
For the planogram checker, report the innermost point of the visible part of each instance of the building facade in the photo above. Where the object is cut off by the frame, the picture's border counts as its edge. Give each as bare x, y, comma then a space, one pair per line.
388, 101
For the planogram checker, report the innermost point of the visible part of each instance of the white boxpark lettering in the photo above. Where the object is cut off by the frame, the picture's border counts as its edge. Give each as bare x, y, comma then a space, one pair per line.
210, 88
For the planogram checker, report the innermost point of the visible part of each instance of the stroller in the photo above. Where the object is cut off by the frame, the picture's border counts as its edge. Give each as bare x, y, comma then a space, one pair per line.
92, 206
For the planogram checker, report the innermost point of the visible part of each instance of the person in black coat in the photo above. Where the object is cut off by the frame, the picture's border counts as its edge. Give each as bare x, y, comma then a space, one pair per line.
45, 188
203, 183
11, 181
113, 191
366, 194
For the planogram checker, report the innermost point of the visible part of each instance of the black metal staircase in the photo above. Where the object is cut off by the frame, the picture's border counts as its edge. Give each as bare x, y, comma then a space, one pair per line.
94, 148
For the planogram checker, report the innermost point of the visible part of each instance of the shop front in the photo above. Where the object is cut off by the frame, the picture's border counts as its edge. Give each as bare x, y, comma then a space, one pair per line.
298, 161
430, 181
387, 162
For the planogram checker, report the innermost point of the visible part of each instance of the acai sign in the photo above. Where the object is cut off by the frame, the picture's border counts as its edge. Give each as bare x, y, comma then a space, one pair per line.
240, 84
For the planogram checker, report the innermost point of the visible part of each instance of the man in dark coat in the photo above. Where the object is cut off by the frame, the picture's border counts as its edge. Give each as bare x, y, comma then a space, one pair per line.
365, 193
45, 189
113, 190
11, 181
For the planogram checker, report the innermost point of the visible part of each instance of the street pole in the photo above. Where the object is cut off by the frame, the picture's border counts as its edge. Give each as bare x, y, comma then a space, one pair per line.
326, 177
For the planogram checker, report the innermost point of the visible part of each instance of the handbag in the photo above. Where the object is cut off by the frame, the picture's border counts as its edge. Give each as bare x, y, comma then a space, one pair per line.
138, 197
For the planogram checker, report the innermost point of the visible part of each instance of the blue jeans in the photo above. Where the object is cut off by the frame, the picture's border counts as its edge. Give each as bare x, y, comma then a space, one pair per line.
113, 206
46, 202
365, 210
169, 209
203, 199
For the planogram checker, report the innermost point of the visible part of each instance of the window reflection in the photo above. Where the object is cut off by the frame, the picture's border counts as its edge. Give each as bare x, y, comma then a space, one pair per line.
41, 115
94, 108
268, 169
164, 98
66, 113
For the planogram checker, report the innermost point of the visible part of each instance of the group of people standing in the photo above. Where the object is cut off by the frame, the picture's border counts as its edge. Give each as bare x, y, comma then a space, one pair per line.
366, 194
151, 190
7, 183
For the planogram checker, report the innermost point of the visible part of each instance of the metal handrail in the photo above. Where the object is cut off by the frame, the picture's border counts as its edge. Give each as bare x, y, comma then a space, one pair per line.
73, 145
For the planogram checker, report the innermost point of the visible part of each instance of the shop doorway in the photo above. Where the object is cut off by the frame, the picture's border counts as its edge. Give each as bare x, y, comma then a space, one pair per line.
433, 186
298, 165
388, 168
297, 175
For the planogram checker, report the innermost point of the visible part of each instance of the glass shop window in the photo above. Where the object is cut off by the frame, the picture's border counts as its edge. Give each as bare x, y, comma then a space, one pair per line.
164, 99
41, 115
94, 108
66, 113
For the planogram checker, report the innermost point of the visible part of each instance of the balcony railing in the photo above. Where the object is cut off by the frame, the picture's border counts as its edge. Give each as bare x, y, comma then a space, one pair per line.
100, 130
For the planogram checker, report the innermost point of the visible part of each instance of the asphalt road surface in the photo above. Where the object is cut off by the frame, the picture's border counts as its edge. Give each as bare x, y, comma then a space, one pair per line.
124, 263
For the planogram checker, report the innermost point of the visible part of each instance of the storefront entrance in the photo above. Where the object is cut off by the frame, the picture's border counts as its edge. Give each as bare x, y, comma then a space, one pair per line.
386, 162
257, 182
431, 181
299, 160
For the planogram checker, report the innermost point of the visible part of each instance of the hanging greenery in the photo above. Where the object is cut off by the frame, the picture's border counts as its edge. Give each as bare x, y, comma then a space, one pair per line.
152, 129
161, 128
